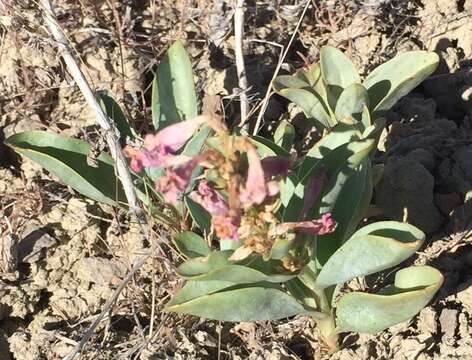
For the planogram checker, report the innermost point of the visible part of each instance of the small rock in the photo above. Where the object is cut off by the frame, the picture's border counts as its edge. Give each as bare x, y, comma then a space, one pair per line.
33, 246
427, 321
448, 321
101, 271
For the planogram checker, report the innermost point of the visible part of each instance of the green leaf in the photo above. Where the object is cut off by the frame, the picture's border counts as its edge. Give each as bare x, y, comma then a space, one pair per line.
341, 134
194, 147
394, 79
237, 274
311, 102
366, 119
347, 198
337, 68
370, 313
114, 112
202, 265
196, 289
284, 135
196, 143
191, 244
154, 173
351, 102
373, 248
246, 304
199, 215
336, 164
173, 92
265, 147
67, 159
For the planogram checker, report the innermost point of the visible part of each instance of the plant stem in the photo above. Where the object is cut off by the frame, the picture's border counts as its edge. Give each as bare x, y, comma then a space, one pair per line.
328, 332
326, 324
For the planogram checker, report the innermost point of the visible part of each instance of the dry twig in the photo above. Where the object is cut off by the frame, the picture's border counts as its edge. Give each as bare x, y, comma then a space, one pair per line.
107, 126
240, 67
108, 305
265, 101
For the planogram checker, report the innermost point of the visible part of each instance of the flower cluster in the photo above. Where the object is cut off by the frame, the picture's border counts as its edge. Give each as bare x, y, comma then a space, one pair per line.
237, 188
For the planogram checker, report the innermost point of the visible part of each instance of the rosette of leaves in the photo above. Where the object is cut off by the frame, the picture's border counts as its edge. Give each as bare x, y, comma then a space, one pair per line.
348, 110
334, 97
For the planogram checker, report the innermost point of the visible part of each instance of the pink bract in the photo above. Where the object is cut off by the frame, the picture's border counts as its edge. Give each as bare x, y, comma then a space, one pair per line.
209, 199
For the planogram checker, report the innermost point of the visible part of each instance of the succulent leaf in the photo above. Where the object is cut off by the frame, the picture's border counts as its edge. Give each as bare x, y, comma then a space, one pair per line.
379, 246
413, 289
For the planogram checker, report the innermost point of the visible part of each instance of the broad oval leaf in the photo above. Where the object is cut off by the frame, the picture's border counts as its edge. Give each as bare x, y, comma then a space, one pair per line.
67, 159
413, 289
379, 246
191, 244
246, 304
392, 80
348, 199
337, 165
351, 102
337, 68
173, 92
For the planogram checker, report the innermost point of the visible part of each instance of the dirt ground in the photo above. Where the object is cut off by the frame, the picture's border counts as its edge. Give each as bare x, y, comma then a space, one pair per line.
72, 252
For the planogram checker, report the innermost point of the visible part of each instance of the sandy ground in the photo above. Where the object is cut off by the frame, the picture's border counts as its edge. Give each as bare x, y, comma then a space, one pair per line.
72, 252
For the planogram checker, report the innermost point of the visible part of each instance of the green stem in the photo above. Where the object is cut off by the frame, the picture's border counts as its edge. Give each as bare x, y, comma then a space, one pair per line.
328, 332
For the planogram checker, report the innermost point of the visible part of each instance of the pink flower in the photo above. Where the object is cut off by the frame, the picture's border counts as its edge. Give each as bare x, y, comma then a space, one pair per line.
255, 189
325, 225
322, 226
175, 181
209, 199
159, 149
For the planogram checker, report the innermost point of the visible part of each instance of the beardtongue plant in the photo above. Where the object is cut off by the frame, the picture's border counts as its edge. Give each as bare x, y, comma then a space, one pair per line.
267, 234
